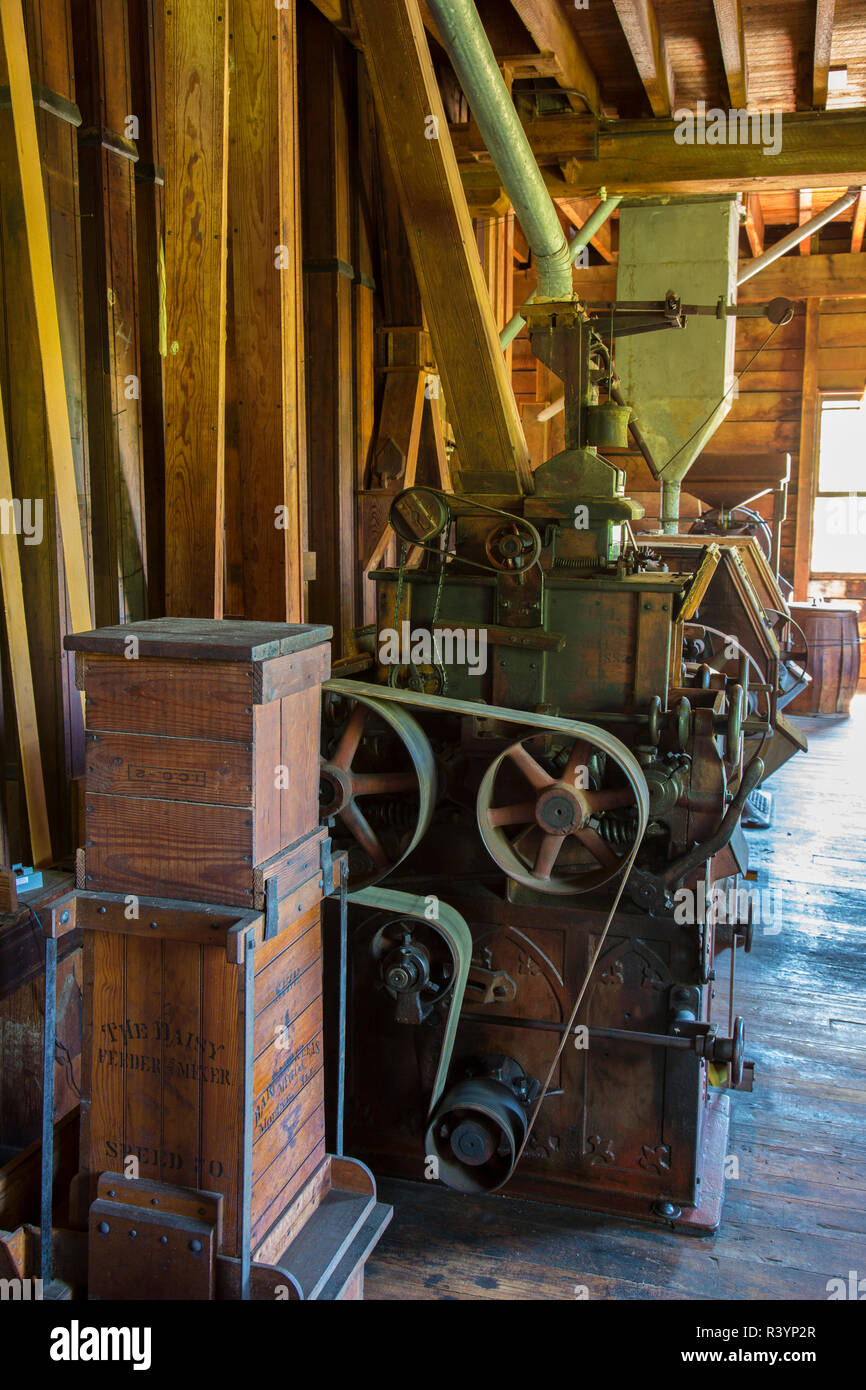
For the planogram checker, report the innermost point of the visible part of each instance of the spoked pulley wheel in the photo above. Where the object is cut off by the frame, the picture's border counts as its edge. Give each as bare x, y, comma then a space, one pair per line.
377, 781
560, 812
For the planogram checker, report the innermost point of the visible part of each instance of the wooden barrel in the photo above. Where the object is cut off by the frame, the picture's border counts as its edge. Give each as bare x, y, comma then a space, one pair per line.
834, 656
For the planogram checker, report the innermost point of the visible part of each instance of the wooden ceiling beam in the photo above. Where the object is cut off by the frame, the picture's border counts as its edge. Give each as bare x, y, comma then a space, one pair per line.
729, 21
754, 223
826, 150
824, 15
858, 226
337, 11
550, 30
641, 28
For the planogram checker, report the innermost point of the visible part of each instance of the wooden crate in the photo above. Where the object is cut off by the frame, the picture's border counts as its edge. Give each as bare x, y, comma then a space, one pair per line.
180, 1034
202, 753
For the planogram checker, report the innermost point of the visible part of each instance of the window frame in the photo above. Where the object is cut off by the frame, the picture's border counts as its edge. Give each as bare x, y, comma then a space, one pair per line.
817, 492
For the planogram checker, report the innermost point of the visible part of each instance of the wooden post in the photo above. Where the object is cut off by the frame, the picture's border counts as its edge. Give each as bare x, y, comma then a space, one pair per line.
147, 42
58, 702
22, 676
326, 80
478, 393
807, 469
106, 162
196, 139
268, 377
45, 304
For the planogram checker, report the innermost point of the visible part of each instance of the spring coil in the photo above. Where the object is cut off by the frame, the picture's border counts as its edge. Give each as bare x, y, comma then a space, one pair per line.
576, 562
388, 815
618, 832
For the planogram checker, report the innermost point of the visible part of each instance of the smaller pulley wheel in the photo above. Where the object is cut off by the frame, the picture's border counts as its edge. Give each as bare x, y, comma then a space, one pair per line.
515, 545
476, 1134
416, 966
418, 515
562, 813
738, 1051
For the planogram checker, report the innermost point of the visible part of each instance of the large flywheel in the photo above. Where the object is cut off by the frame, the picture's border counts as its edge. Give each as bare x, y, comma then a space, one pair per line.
562, 812
377, 781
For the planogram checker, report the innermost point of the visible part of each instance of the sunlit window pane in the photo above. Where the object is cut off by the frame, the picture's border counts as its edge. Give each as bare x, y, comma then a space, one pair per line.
842, 455
839, 537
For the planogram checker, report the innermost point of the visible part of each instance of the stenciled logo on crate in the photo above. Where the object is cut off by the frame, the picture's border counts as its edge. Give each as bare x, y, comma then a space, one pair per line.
289, 1078
185, 777
195, 1058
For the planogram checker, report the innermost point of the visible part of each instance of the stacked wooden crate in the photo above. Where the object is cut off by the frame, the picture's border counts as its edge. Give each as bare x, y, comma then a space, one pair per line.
199, 894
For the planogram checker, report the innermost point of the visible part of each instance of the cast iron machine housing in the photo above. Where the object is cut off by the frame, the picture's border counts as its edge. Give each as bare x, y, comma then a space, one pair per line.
579, 751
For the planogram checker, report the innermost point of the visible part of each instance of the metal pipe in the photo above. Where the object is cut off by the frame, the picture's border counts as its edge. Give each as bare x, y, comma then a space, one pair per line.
582, 239
468, 47
670, 506
799, 234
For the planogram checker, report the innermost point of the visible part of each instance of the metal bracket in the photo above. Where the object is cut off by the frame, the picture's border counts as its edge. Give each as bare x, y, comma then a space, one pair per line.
326, 860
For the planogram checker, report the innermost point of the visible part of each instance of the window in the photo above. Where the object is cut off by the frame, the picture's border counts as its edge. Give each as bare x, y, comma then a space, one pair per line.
839, 531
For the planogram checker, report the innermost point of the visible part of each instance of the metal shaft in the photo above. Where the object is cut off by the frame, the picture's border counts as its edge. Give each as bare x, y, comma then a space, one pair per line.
799, 234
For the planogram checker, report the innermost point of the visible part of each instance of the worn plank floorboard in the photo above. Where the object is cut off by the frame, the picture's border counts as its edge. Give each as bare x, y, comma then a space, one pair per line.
796, 1214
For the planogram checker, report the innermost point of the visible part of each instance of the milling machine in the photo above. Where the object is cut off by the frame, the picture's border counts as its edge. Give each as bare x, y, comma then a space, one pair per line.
540, 788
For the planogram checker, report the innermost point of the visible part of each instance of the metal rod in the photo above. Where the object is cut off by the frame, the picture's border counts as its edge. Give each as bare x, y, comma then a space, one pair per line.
46, 1249
799, 234
344, 965
248, 1051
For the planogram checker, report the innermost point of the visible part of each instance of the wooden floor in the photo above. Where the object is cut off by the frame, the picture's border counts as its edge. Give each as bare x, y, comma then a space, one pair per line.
796, 1216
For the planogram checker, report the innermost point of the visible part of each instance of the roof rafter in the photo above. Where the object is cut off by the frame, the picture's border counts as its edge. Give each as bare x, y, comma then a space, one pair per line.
548, 28
824, 15
729, 21
640, 26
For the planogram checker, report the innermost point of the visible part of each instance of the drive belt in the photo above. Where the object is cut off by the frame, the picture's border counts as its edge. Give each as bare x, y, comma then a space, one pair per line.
460, 934
451, 926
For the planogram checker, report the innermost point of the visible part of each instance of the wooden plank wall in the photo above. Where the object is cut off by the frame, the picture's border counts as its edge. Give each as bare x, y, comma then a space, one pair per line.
767, 411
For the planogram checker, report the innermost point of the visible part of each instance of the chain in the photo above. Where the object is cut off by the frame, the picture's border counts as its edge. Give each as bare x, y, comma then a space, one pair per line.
401, 569
441, 674
437, 665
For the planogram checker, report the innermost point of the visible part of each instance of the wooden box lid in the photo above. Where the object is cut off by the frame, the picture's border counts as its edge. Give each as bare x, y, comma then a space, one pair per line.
202, 639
